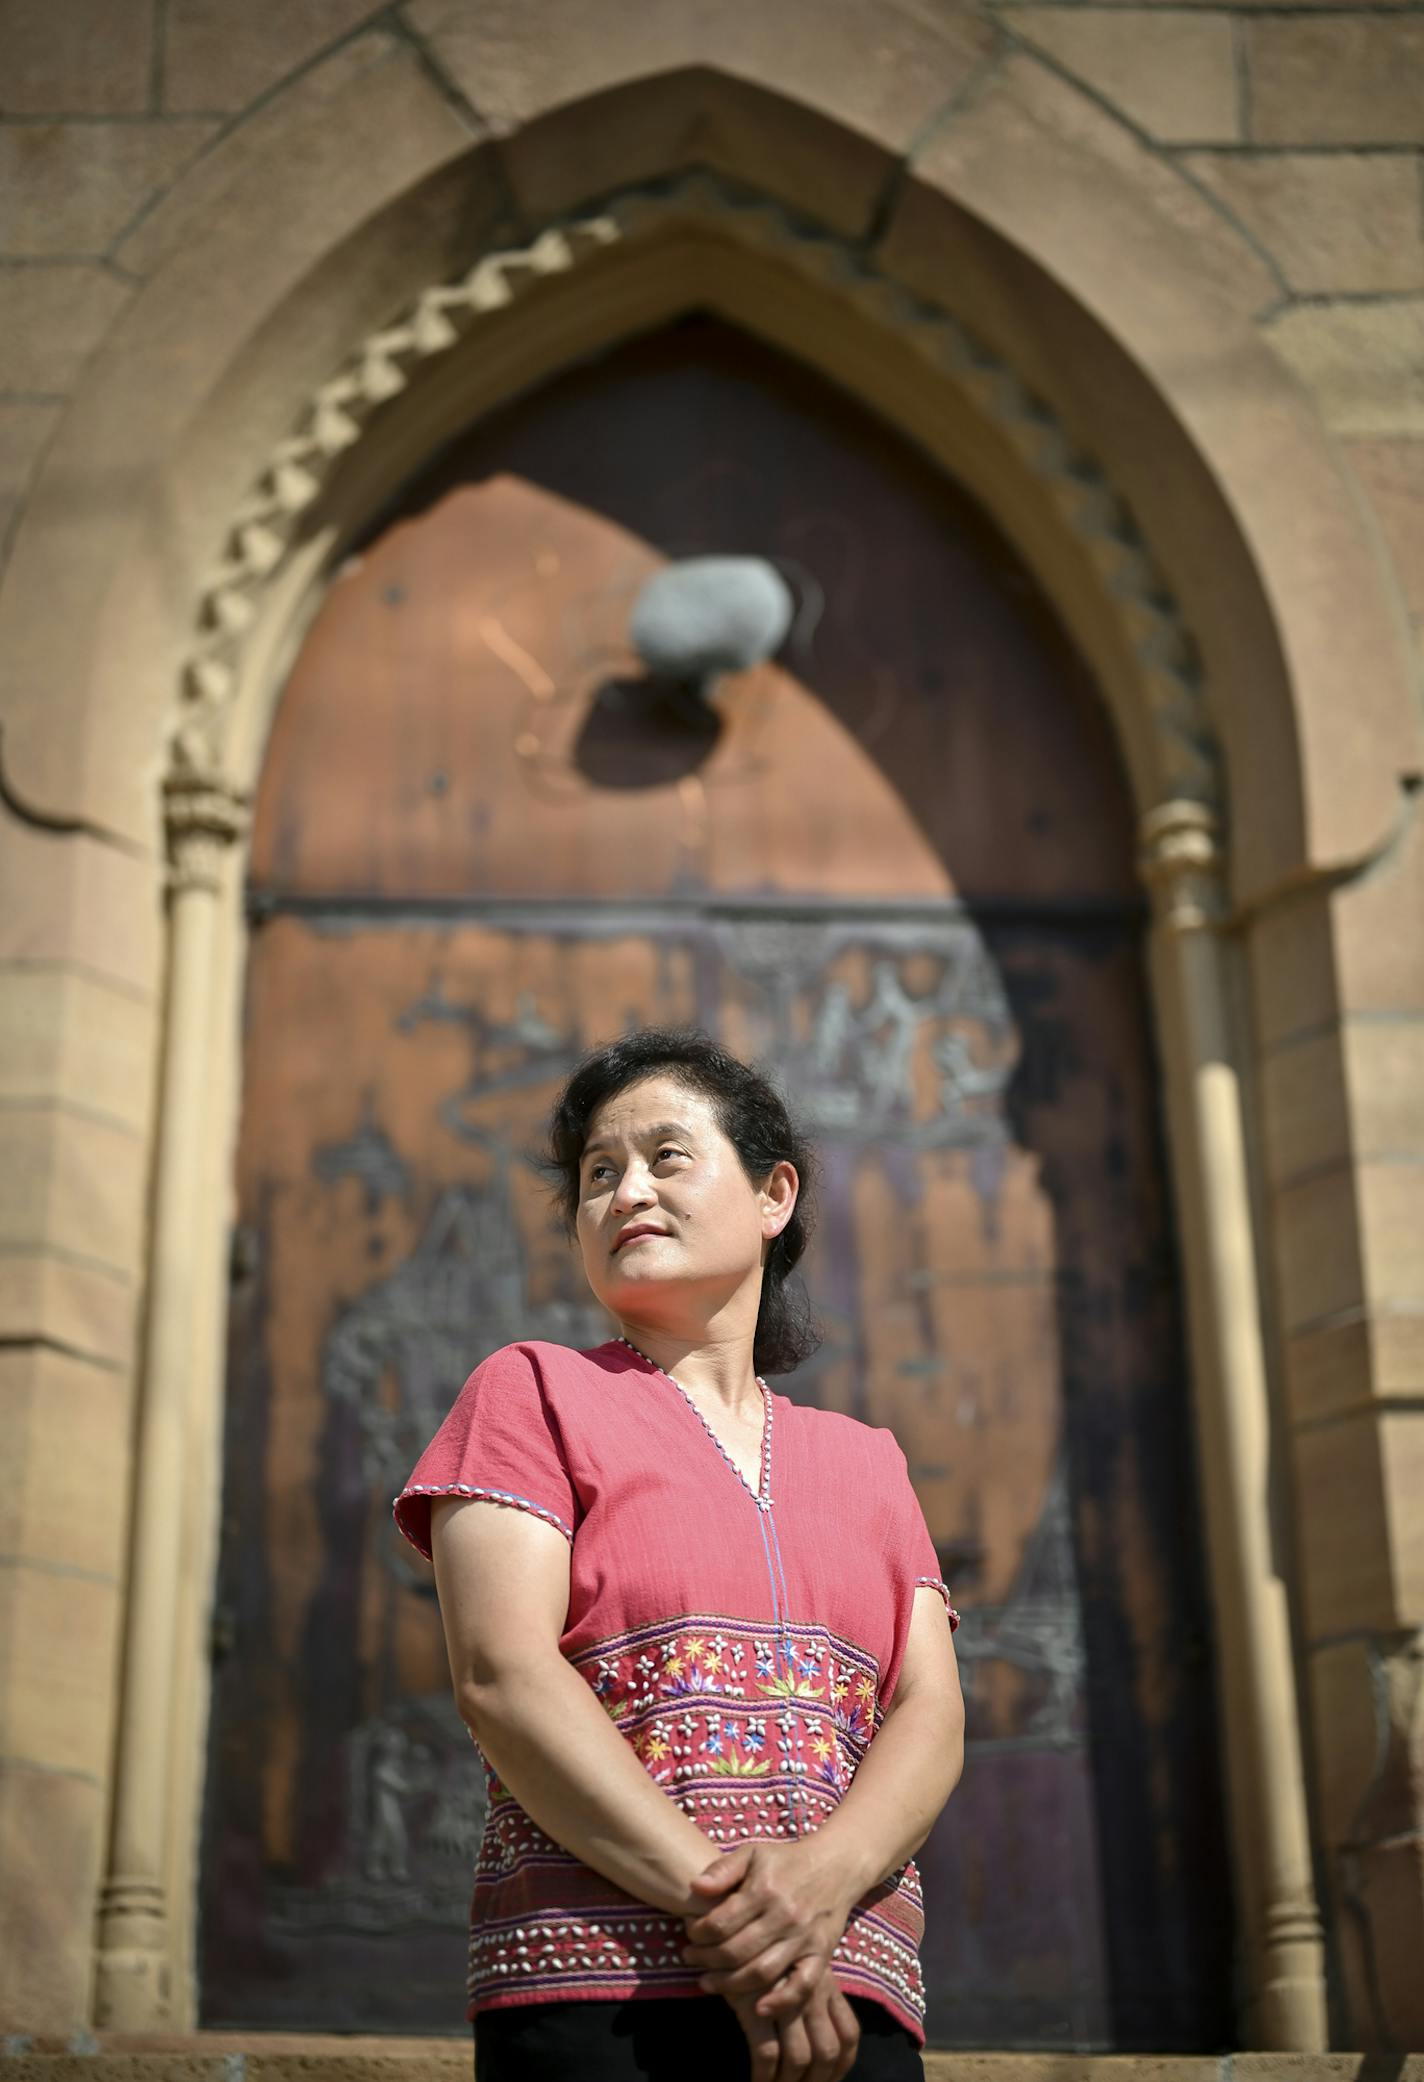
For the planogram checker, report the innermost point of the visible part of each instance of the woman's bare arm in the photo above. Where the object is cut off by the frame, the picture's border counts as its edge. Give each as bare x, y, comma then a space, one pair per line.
914, 1762
503, 1581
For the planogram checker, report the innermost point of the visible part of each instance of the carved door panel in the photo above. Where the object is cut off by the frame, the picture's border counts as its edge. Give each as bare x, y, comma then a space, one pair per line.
896, 862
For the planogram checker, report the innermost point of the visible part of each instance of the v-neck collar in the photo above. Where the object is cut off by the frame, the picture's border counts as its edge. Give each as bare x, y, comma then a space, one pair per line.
762, 1496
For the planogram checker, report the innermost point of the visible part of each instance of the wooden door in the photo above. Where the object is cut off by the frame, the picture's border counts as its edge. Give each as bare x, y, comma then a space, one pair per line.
898, 862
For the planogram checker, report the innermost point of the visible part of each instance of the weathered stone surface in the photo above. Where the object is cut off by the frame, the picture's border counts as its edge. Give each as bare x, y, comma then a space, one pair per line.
76, 901
71, 1184
1173, 75
61, 1633
86, 58
262, 146
25, 428
1340, 1498
882, 76
1403, 1450
1368, 1356
86, 1308
216, 56
1292, 974
1305, 1115
1378, 944
67, 1035
1347, 1734
71, 188
1359, 1092
1392, 475
1341, 79
1334, 222
357, 207
50, 1852
1362, 363
1347, 1236
63, 1487
54, 319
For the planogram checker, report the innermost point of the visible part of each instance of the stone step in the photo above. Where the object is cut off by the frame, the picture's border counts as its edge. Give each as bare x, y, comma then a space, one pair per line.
300, 2057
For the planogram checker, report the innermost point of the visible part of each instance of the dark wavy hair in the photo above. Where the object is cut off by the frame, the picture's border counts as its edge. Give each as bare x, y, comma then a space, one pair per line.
751, 1112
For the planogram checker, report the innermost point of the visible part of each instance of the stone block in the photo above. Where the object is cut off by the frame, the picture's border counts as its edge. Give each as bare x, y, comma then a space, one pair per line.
217, 57
1344, 1538
87, 1308
1388, 1893
1012, 149
1402, 1447
25, 428
1357, 1093
259, 146
1391, 474
1362, 363
1293, 985
1171, 75
69, 1035
58, 1669
1377, 928
1317, 2067
1305, 1115
72, 1185
77, 902
1335, 223
1348, 1236
71, 188
1345, 1365
882, 76
1337, 79
87, 58
64, 1480
50, 1853
1319, 1249
54, 319
1347, 1734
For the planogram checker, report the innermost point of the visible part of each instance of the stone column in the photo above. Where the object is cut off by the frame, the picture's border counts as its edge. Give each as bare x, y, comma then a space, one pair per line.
134, 1987
1259, 1718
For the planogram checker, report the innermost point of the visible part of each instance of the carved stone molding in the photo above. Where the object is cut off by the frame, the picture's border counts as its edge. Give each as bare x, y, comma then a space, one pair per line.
1183, 865
382, 368
203, 815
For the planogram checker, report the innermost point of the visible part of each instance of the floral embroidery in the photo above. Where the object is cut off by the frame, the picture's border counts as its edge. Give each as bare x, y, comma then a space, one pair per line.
769, 1755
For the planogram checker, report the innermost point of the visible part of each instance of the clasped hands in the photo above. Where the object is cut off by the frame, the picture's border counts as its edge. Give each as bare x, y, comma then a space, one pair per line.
775, 1913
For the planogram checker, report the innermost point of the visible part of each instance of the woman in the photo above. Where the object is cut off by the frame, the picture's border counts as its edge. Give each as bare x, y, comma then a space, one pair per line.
701, 1603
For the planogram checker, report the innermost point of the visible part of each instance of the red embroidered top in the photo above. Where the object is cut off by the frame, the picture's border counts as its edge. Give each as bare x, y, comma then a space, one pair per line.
746, 1643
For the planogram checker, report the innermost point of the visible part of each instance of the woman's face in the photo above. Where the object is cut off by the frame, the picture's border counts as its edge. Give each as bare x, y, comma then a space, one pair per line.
656, 1159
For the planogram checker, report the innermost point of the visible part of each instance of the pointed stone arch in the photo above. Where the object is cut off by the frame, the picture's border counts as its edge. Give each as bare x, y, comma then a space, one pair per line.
1146, 453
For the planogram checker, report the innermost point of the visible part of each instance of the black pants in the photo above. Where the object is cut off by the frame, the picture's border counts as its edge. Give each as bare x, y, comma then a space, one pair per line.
663, 2038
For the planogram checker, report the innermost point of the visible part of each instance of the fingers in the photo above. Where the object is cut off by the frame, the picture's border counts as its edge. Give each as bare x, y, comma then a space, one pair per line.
727, 1870
793, 1990
796, 2056
759, 1974
847, 2026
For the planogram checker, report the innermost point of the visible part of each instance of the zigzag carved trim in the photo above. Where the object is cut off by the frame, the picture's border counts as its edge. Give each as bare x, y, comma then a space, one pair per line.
264, 526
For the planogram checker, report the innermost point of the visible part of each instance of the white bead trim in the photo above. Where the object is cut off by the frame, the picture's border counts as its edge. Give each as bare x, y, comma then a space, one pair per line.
938, 1583
492, 1496
762, 1498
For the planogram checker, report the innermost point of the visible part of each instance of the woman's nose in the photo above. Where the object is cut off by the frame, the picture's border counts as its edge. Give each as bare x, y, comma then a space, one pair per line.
634, 1188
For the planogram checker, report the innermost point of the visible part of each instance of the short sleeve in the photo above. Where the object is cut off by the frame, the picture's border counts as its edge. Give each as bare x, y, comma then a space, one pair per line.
500, 1442
911, 1556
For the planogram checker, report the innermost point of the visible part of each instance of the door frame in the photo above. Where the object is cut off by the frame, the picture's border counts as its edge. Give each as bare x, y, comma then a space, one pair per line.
636, 262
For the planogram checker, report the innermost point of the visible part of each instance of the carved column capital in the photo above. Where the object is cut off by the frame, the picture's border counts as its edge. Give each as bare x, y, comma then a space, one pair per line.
203, 815
1184, 865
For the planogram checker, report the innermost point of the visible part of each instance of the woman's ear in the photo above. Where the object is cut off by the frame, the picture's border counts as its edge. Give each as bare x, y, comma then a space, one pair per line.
779, 1198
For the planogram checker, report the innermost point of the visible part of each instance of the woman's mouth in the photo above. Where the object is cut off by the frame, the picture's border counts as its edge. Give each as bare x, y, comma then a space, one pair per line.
637, 1236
